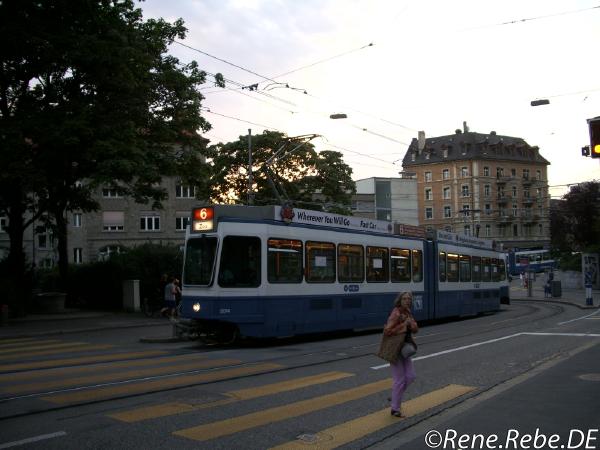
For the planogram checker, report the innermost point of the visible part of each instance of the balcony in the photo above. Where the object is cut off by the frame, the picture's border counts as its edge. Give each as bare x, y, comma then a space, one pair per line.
527, 200
529, 218
503, 198
527, 181
505, 219
503, 179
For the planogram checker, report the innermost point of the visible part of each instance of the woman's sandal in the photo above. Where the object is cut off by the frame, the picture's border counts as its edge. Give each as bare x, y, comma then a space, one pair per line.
397, 413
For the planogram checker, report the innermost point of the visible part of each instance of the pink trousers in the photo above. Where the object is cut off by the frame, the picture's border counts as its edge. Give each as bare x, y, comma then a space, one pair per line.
403, 374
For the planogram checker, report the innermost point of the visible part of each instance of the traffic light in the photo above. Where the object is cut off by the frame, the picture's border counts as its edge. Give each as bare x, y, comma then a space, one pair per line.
594, 125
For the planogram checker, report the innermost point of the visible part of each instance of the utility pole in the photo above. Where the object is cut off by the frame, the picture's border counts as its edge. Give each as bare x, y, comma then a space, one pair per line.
250, 196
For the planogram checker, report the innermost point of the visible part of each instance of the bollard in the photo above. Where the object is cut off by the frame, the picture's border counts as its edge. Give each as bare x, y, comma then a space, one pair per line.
589, 301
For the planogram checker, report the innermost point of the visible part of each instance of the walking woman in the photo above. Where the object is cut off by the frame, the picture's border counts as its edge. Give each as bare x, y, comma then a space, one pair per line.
400, 321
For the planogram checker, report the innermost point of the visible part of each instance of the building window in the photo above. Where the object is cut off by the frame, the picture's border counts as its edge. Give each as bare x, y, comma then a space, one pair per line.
45, 240
448, 228
526, 174
464, 190
487, 190
446, 193
113, 220
77, 220
447, 212
429, 213
466, 210
515, 230
514, 192
526, 193
110, 193
467, 230
150, 223
183, 191
464, 171
77, 255
488, 231
428, 194
513, 172
499, 172
427, 176
3, 223
445, 174
514, 210
181, 223
540, 229
488, 209
538, 175
105, 252
486, 171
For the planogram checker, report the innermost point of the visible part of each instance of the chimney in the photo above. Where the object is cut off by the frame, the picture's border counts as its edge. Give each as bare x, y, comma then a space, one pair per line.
421, 141
465, 127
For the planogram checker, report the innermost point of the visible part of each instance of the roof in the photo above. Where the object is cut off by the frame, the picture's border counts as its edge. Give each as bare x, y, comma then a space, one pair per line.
468, 146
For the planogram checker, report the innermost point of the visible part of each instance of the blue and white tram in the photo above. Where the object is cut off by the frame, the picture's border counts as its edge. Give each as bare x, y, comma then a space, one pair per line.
269, 271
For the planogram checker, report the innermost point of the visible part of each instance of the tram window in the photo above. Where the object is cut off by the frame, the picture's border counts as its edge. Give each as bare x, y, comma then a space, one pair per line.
452, 267
486, 274
465, 268
502, 269
351, 263
476, 267
240, 262
377, 265
494, 268
320, 262
417, 265
400, 265
284, 261
442, 265
199, 261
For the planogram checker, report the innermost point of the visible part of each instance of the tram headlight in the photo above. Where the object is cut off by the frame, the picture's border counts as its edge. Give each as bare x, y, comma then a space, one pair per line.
196, 307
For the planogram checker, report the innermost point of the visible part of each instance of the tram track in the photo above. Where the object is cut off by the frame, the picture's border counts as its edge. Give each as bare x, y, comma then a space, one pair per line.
332, 355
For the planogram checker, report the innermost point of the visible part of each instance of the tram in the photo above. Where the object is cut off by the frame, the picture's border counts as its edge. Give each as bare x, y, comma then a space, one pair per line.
273, 271
536, 260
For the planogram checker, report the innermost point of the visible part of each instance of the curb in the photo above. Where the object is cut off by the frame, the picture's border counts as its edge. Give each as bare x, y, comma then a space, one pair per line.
563, 302
26, 334
161, 340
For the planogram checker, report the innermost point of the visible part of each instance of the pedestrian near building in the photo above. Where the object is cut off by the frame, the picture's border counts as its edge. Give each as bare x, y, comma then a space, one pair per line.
401, 321
170, 297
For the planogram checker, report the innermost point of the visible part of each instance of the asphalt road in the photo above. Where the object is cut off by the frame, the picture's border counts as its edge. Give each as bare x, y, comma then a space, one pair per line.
531, 365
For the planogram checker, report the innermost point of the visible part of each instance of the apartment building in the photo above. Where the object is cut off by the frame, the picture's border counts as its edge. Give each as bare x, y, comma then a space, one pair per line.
485, 185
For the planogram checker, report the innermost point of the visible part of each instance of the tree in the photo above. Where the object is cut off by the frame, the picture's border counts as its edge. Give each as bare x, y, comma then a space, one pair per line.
309, 179
575, 220
88, 97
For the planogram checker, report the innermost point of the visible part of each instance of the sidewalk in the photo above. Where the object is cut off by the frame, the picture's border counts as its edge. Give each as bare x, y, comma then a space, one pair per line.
75, 321
575, 297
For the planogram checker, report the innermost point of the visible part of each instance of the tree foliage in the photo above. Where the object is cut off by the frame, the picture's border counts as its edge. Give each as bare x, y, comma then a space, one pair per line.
307, 178
575, 220
88, 97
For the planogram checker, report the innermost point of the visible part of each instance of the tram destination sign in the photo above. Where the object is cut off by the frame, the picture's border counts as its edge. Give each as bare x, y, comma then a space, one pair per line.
463, 239
308, 217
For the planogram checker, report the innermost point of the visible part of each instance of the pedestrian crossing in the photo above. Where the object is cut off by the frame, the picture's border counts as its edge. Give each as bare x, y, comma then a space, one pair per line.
286, 397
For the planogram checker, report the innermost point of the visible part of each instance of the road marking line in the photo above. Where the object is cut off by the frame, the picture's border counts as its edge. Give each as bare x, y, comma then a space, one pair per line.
35, 347
81, 360
169, 409
96, 368
236, 424
92, 393
491, 341
580, 318
355, 429
452, 350
7, 341
41, 437
72, 349
106, 377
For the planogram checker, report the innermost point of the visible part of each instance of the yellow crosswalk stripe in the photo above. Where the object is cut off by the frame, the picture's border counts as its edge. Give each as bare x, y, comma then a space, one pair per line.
115, 376
74, 348
80, 360
29, 342
355, 429
154, 385
169, 409
95, 368
236, 424
36, 347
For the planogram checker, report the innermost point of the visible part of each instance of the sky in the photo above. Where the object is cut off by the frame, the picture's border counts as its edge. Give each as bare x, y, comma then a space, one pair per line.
396, 67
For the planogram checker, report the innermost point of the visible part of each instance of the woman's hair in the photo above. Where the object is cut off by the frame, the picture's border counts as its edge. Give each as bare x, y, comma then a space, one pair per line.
398, 301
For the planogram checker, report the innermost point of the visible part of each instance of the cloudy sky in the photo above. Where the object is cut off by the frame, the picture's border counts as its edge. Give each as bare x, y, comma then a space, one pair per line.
432, 65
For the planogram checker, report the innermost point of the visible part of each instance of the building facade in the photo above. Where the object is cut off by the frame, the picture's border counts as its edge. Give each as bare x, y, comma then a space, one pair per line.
392, 199
485, 185
119, 223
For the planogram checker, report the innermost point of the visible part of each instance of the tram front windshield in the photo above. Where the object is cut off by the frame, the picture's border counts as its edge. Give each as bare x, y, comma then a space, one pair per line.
199, 260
